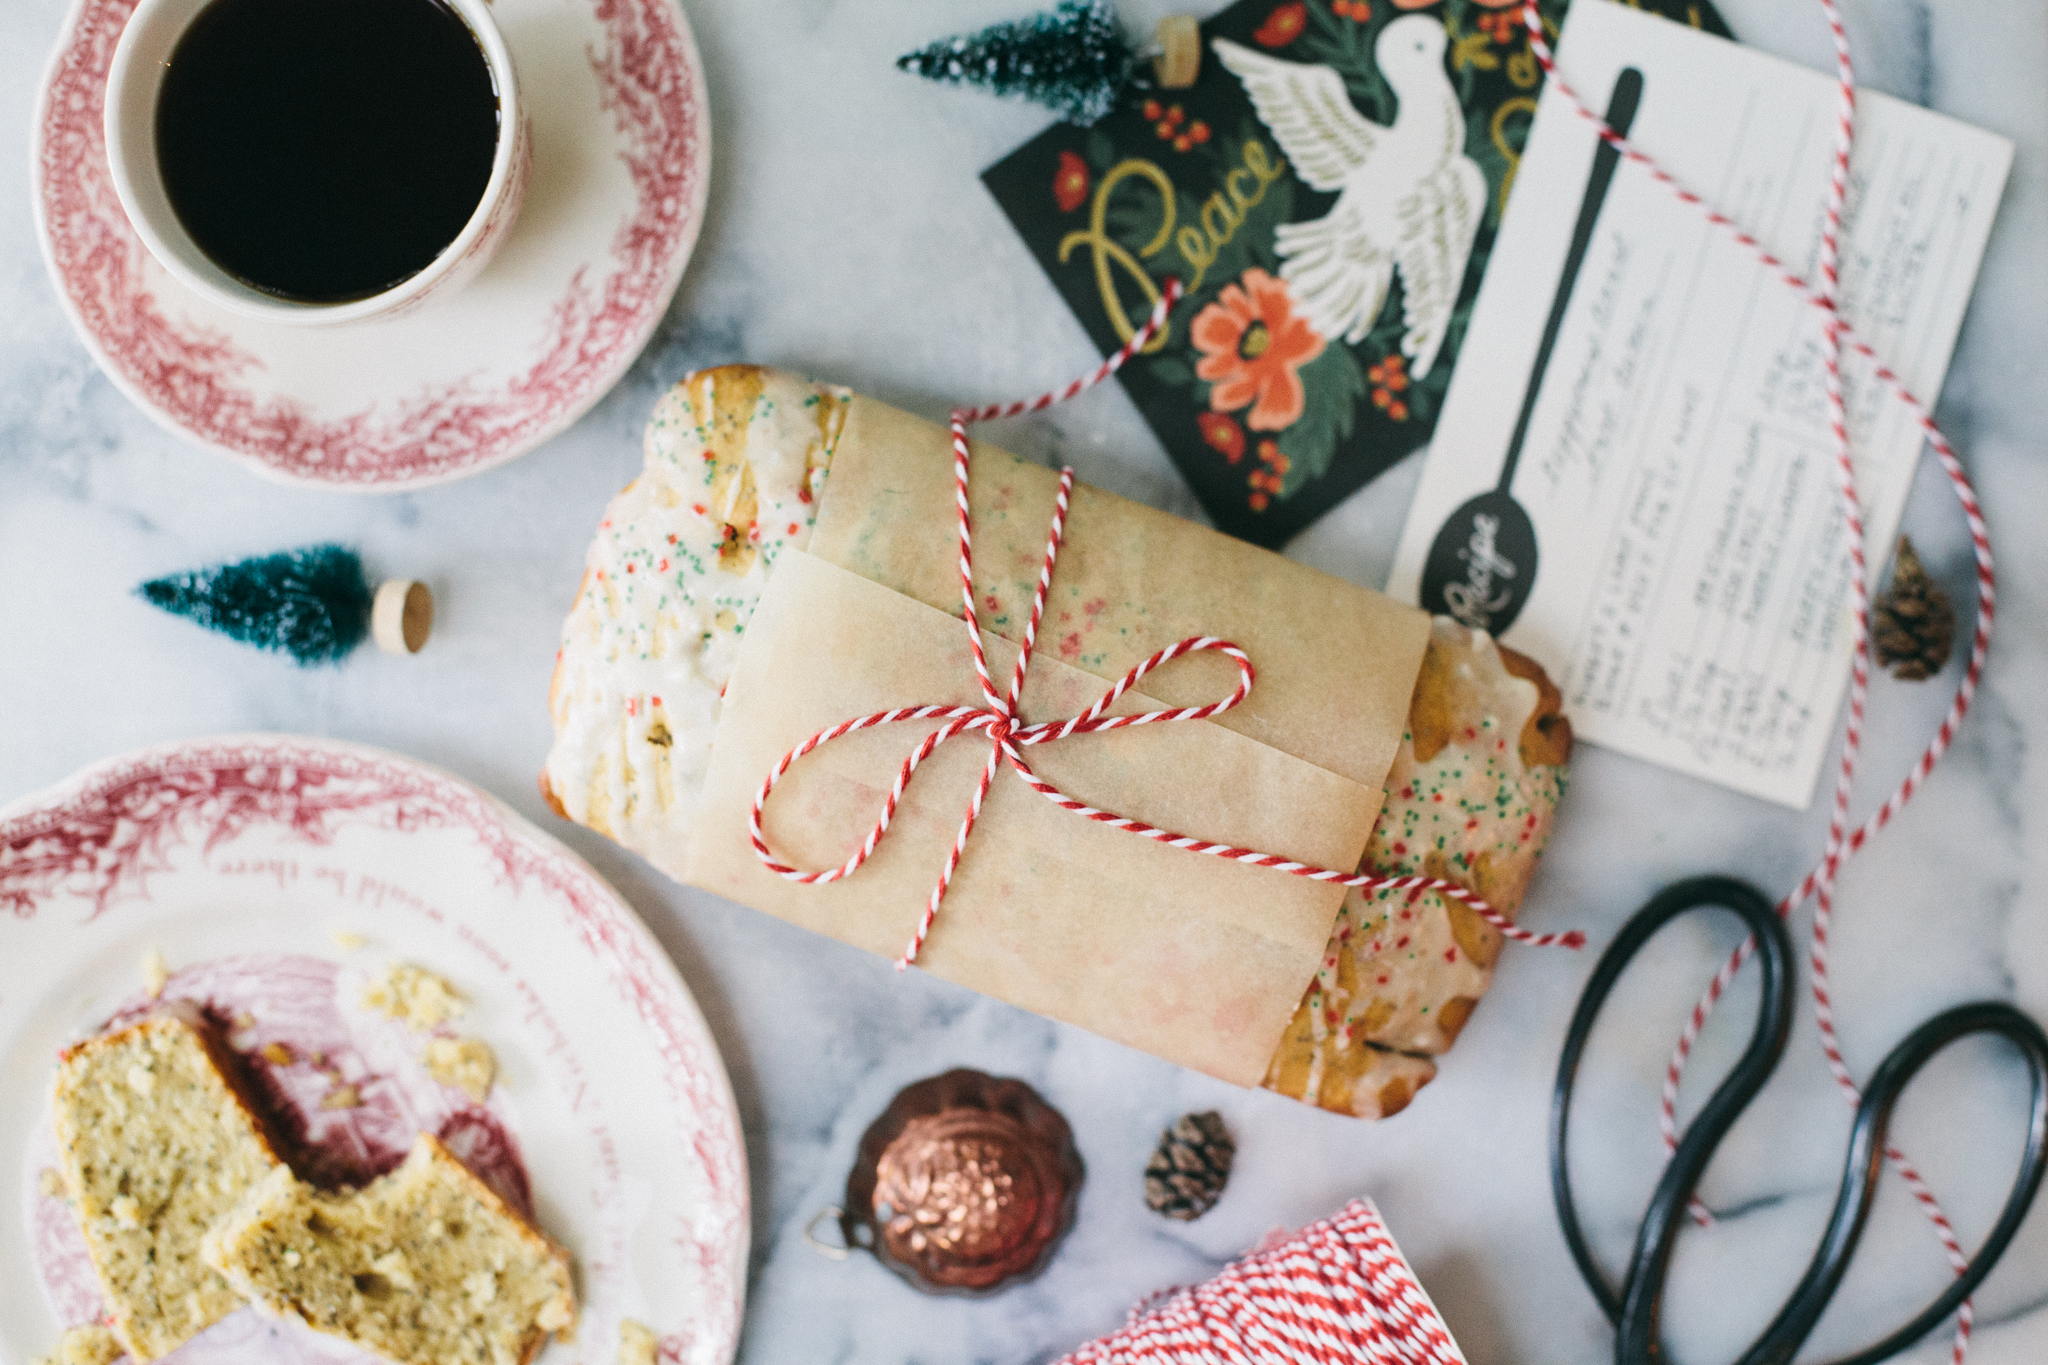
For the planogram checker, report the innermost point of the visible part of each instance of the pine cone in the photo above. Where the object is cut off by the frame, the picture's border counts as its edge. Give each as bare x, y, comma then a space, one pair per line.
1186, 1175
1914, 627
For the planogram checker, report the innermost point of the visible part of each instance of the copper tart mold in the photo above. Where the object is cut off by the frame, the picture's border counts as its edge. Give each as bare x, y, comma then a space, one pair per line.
964, 1185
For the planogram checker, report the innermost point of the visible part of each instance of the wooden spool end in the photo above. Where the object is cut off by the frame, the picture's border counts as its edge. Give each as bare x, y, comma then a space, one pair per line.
401, 616
1179, 39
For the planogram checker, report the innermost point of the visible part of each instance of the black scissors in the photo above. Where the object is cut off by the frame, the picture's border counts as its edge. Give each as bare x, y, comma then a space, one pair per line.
1635, 1310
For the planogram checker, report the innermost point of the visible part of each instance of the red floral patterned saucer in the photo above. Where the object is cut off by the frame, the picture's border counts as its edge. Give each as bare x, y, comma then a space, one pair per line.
277, 876
621, 146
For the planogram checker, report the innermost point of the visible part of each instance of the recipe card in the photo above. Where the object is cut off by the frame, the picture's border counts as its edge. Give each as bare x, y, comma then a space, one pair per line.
1632, 480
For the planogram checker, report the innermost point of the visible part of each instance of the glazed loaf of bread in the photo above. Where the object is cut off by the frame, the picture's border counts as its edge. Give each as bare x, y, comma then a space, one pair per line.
737, 460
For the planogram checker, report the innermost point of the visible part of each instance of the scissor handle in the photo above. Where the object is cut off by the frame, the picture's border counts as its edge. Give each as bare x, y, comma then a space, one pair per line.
1860, 1170
1648, 1264
1635, 1310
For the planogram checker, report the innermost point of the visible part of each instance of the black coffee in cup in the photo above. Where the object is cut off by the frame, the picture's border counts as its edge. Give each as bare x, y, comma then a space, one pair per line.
326, 150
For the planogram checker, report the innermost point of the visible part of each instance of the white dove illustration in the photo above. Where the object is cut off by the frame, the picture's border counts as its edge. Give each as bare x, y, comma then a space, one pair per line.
1408, 196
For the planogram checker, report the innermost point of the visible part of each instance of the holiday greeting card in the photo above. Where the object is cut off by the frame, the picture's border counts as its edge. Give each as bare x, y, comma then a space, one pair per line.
1633, 480
1327, 193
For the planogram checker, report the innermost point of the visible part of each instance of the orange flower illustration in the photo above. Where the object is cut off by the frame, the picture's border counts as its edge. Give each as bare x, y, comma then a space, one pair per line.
1252, 343
1222, 433
1070, 182
1283, 25
1357, 11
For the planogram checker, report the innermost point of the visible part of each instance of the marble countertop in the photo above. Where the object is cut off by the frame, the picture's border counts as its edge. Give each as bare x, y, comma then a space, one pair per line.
849, 238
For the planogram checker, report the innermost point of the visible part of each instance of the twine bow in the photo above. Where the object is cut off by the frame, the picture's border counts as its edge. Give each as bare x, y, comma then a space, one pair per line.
1009, 736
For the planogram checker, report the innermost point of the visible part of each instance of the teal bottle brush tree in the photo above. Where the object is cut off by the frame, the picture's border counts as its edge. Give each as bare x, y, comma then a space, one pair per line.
1073, 59
315, 604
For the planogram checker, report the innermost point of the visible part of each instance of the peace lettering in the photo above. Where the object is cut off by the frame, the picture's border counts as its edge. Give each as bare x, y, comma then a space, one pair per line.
1198, 242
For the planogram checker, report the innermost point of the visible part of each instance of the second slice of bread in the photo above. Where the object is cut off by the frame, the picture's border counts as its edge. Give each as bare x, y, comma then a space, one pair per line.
424, 1266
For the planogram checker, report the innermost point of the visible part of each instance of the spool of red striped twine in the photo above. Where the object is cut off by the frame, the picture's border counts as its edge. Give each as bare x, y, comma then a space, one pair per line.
1337, 1291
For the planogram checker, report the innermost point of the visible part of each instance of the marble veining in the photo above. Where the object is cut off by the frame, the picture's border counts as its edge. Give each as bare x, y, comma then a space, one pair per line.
849, 239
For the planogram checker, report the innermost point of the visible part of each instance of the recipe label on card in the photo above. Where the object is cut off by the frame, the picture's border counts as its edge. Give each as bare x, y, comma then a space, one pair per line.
1632, 480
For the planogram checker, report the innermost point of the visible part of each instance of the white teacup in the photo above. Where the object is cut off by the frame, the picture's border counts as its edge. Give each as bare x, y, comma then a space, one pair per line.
133, 84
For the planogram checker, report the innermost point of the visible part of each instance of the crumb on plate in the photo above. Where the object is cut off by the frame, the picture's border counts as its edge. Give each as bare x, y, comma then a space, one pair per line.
637, 1344
342, 1097
423, 999
156, 973
467, 1064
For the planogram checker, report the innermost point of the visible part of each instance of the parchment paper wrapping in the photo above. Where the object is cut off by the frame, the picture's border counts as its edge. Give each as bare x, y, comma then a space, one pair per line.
1188, 957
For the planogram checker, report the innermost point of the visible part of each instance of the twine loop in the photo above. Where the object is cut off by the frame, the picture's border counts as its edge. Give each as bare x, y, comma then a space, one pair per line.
1843, 839
1008, 736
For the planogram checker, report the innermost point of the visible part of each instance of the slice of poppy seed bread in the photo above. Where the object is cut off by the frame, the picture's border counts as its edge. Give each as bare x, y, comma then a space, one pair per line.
424, 1266
158, 1141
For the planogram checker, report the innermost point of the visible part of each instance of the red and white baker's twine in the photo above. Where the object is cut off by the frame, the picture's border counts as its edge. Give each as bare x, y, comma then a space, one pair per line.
999, 720
1842, 842
1009, 736
1337, 1291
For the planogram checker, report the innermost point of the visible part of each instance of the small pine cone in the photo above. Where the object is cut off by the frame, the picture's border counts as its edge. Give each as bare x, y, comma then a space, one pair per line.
1187, 1173
1913, 627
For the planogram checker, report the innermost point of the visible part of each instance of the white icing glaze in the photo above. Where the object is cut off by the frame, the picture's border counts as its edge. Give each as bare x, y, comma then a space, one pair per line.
1472, 812
736, 459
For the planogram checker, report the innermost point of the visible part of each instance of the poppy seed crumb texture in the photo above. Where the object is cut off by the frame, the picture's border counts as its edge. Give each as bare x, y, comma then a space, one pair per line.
424, 1266
158, 1141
